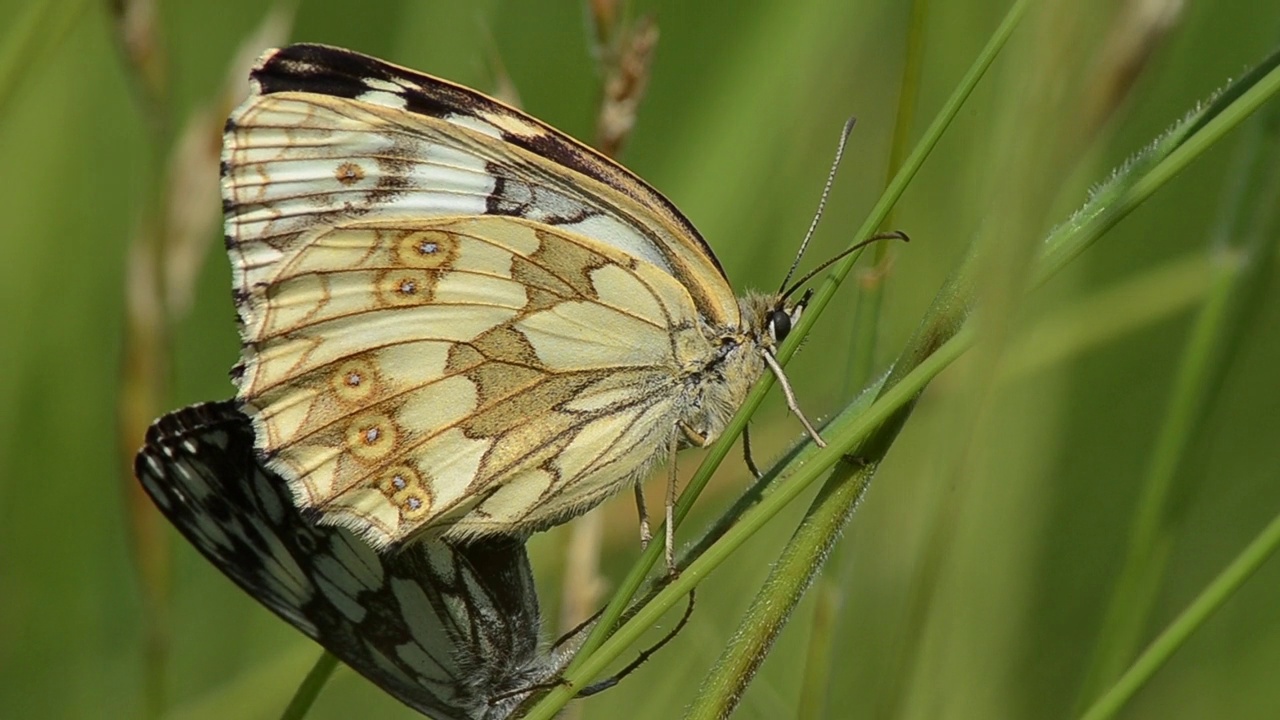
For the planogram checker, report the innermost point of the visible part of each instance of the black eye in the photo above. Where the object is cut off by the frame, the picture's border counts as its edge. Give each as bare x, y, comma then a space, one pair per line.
779, 324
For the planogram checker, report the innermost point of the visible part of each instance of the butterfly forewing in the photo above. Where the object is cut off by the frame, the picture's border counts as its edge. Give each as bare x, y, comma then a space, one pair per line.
445, 628
330, 132
455, 317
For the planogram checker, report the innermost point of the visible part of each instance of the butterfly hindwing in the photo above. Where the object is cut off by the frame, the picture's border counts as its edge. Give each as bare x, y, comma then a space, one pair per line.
443, 627
431, 392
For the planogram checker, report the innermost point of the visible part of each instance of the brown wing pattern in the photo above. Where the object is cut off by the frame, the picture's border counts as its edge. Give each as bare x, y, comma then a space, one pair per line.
482, 374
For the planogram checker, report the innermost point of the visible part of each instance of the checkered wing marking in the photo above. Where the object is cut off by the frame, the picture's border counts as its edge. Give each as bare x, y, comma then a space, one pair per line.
442, 627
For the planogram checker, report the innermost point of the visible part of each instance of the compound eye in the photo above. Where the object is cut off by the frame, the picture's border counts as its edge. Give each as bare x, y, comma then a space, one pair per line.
779, 324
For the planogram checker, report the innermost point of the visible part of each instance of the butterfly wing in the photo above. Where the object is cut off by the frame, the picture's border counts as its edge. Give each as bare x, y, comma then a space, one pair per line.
512, 374
442, 627
454, 316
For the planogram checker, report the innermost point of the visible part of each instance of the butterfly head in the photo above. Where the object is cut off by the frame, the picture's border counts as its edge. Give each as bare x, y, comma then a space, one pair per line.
770, 318
767, 321
783, 317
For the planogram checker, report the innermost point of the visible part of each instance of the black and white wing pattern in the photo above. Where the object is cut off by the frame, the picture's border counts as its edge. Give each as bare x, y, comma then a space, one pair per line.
445, 628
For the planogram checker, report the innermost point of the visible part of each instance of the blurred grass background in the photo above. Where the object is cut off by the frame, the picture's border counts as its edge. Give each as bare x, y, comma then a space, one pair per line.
744, 105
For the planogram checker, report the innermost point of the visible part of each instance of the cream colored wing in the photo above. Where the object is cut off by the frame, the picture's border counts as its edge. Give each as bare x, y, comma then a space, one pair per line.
330, 135
453, 315
479, 374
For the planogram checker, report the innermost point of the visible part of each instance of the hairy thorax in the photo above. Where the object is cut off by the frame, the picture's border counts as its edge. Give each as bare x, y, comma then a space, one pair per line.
717, 382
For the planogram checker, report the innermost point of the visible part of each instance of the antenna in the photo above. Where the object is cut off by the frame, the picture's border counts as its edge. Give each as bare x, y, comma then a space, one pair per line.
822, 202
891, 235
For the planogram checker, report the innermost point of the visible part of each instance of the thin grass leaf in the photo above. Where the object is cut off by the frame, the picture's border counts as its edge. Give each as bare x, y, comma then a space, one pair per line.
1241, 251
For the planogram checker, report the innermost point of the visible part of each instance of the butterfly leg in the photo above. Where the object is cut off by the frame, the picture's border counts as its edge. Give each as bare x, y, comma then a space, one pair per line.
672, 481
645, 534
746, 453
643, 657
791, 397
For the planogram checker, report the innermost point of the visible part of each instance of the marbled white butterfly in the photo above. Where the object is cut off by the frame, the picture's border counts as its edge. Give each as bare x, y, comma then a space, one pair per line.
455, 316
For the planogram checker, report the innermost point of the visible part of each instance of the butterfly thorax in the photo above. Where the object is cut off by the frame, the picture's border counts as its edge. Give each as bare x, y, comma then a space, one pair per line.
720, 382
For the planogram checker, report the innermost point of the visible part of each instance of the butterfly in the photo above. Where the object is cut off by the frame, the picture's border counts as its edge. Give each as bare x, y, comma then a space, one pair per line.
455, 317
449, 629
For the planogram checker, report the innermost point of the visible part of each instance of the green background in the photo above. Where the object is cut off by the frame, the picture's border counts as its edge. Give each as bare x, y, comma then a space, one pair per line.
745, 102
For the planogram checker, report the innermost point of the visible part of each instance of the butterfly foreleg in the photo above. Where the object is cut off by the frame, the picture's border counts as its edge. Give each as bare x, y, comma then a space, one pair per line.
791, 396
